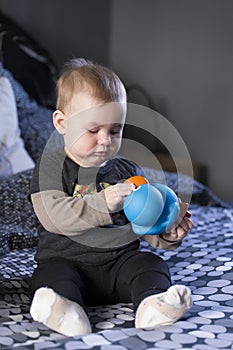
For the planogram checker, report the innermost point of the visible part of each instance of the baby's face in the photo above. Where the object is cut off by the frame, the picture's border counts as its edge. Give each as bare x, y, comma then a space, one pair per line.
93, 129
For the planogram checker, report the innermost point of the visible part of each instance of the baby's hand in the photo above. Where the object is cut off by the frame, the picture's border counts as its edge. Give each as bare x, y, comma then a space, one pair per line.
181, 227
115, 195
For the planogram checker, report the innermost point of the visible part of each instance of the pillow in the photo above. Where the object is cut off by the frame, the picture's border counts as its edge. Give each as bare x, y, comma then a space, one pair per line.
29, 63
35, 121
13, 156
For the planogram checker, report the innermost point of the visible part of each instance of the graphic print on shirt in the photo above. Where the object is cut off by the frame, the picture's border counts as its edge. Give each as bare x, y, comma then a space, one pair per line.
81, 190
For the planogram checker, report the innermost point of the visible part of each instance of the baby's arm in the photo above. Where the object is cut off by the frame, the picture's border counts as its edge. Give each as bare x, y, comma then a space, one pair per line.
62, 214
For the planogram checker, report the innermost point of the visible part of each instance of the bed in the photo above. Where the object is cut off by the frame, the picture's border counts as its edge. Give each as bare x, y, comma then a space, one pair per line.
204, 261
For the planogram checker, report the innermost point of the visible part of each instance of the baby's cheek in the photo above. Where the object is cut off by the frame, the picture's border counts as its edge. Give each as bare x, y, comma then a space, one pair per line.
116, 144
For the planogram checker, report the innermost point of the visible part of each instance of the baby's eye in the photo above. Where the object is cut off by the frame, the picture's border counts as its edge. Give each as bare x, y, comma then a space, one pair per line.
93, 131
116, 131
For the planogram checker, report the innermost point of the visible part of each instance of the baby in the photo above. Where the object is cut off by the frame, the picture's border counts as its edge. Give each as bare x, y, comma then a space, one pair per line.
87, 253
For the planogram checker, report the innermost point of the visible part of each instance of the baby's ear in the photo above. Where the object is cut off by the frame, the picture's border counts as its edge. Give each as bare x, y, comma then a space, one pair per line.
59, 121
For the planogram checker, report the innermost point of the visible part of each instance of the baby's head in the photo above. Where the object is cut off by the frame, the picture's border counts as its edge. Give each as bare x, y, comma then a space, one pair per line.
91, 109
82, 76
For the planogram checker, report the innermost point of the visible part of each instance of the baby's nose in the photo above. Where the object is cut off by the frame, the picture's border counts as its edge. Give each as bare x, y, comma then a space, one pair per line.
104, 139
104, 142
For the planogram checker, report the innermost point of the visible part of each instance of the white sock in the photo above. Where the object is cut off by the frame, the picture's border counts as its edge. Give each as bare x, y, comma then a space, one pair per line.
58, 313
163, 308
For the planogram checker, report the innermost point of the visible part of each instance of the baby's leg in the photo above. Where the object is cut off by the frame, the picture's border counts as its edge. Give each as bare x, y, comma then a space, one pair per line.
59, 313
144, 279
57, 302
163, 308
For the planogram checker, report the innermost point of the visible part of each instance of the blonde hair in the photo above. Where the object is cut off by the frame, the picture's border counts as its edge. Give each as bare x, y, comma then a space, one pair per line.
79, 75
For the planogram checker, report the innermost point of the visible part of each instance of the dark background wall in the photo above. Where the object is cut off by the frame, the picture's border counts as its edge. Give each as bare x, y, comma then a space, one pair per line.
66, 28
179, 51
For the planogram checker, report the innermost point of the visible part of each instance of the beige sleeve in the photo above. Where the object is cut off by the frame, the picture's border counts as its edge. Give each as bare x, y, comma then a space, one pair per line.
157, 241
70, 216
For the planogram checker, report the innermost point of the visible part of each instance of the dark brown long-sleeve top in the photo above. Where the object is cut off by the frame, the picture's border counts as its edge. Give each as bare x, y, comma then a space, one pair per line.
73, 218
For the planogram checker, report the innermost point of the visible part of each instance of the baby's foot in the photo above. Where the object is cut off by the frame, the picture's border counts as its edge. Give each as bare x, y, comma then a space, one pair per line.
58, 313
163, 308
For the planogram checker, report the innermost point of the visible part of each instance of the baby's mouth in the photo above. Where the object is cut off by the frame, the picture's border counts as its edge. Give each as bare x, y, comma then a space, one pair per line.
100, 153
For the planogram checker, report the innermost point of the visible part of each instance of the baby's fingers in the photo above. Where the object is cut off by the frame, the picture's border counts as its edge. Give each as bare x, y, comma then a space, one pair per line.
123, 189
189, 222
184, 224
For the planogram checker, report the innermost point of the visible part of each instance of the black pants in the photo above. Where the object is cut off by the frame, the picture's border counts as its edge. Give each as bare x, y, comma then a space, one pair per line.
130, 278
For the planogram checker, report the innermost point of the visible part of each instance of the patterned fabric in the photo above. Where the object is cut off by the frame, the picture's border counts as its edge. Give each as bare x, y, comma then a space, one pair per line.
17, 220
35, 121
204, 263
